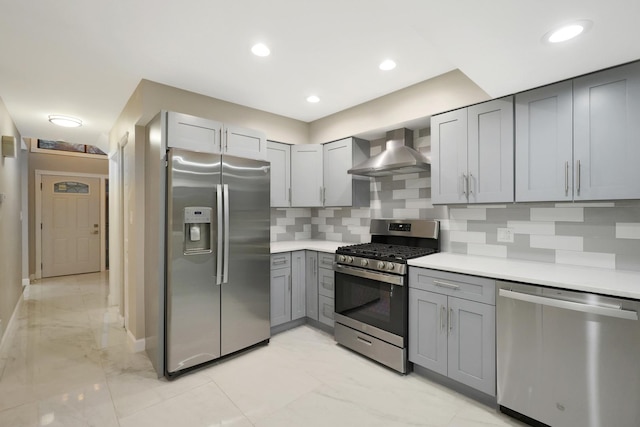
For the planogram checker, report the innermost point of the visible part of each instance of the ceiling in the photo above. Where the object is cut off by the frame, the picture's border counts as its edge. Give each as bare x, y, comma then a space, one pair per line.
85, 58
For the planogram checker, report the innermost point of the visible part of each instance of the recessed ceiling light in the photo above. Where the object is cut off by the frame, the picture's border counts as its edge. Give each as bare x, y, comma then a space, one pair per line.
567, 32
387, 65
260, 50
313, 99
65, 121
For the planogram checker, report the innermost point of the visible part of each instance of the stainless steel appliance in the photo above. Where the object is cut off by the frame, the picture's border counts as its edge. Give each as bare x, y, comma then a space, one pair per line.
371, 288
217, 257
566, 358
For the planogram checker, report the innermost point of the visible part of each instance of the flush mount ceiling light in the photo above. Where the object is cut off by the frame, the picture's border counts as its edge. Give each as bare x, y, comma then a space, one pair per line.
567, 32
387, 65
313, 99
260, 49
65, 121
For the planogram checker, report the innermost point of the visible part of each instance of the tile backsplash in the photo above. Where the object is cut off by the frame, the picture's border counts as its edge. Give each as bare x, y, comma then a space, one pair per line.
599, 234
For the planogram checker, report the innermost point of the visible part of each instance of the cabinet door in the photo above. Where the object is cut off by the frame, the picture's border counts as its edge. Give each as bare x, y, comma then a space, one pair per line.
428, 330
243, 142
338, 159
312, 284
326, 307
298, 286
306, 175
544, 144
279, 155
326, 283
607, 134
280, 296
449, 157
193, 133
490, 151
471, 346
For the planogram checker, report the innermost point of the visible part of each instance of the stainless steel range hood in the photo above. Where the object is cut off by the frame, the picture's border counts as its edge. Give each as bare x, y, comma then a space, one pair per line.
399, 157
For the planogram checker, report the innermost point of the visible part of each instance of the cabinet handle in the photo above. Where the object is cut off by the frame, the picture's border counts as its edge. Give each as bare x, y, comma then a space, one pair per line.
450, 319
281, 261
443, 318
440, 284
226, 140
290, 279
289, 194
465, 184
566, 178
578, 173
321, 201
362, 340
469, 178
324, 195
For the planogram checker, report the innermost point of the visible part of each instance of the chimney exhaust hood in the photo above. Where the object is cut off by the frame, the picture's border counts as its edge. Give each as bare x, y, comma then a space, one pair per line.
399, 157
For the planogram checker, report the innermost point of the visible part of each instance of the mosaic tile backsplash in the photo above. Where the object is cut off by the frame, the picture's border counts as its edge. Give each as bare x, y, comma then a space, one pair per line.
598, 234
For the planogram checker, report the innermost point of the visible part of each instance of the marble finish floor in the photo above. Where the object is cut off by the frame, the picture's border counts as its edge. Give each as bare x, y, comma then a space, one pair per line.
66, 362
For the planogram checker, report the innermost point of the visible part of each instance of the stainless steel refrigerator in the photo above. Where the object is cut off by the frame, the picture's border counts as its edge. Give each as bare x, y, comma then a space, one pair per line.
217, 257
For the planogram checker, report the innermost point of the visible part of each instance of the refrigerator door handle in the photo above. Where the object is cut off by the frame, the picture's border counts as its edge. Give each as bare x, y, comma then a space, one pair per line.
225, 274
219, 215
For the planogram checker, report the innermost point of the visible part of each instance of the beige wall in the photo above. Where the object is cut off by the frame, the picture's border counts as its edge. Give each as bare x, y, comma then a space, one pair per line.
58, 163
446, 92
10, 224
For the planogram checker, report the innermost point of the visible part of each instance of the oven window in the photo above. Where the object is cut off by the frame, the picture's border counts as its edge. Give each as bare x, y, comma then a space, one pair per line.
372, 302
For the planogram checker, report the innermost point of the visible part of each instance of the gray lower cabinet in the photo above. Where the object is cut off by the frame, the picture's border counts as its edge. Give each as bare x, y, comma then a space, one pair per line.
302, 286
452, 326
280, 288
288, 300
312, 284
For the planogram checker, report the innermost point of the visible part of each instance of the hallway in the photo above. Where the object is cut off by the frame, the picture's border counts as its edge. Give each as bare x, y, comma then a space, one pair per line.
67, 363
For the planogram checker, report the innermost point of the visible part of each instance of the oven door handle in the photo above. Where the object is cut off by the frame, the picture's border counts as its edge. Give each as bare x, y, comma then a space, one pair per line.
367, 274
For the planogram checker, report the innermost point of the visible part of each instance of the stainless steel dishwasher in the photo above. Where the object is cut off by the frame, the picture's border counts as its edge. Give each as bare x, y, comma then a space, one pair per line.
566, 358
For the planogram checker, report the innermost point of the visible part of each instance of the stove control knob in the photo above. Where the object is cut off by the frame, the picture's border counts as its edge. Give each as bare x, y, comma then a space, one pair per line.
349, 259
364, 262
381, 265
341, 258
390, 266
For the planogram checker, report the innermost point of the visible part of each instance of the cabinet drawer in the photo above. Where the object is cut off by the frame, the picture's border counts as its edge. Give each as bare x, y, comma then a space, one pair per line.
282, 260
325, 282
326, 260
471, 288
325, 312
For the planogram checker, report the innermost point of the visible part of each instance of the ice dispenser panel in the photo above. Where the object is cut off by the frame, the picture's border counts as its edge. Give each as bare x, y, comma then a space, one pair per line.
197, 230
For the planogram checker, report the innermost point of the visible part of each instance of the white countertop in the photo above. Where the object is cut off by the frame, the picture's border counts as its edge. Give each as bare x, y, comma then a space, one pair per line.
310, 245
588, 279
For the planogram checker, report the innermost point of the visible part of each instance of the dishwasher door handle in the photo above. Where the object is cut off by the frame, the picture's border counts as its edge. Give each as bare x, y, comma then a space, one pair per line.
570, 305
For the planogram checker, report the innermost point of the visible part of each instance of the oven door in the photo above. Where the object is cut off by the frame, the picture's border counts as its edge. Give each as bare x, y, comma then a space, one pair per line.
372, 302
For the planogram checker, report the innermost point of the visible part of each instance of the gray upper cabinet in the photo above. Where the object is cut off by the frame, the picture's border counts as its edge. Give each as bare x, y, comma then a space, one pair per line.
193, 133
607, 134
490, 151
449, 157
341, 188
307, 188
279, 155
208, 136
544, 144
472, 158
243, 142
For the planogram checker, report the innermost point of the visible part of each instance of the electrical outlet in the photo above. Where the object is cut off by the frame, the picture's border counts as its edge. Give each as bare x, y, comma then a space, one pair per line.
505, 235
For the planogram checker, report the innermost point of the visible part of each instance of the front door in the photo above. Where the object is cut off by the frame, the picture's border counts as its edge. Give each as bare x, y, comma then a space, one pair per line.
70, 225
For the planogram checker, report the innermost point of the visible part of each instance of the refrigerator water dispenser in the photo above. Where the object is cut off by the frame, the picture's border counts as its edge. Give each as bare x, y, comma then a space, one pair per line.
197, 230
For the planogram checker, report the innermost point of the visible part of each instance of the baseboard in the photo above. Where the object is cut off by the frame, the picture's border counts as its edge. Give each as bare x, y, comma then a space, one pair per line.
4, 339
135, 345
25, 282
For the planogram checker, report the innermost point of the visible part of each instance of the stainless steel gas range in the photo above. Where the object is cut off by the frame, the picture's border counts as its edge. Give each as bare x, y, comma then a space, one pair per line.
371, 288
